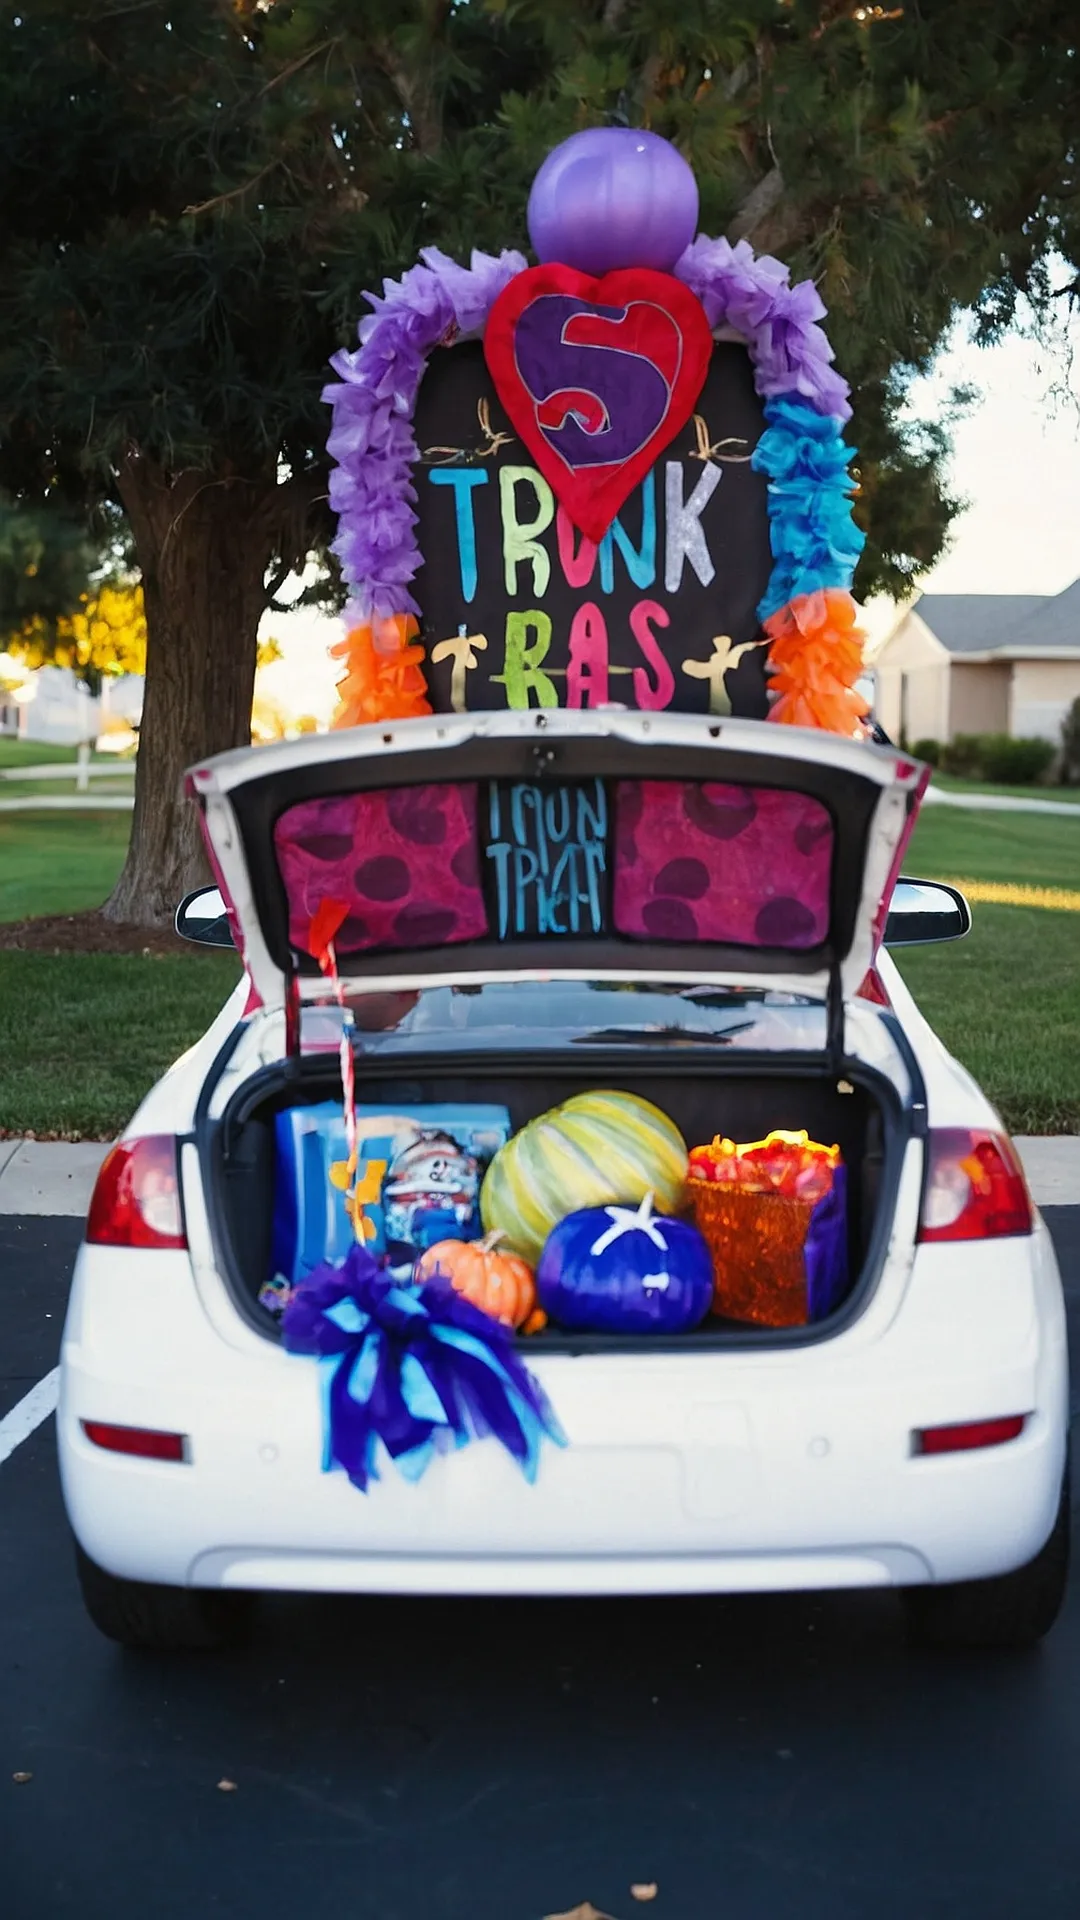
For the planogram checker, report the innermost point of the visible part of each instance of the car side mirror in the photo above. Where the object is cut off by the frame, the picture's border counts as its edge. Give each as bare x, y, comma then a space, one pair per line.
922, 910
201, 917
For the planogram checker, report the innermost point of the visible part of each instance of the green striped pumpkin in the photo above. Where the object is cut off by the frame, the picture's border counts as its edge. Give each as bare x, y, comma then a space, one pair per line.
596, 1150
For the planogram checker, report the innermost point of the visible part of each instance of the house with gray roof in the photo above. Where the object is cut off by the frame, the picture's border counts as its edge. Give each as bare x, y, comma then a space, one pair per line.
979, 663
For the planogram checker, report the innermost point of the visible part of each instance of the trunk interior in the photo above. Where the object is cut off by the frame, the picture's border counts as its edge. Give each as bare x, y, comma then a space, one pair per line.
859, 1112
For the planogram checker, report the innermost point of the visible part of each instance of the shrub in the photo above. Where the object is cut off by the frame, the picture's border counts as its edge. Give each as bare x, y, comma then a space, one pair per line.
963, 756
1070, 745
928, 750
1016, 762
997, 757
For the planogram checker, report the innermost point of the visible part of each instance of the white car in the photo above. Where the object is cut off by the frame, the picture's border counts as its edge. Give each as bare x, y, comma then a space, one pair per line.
914, 1438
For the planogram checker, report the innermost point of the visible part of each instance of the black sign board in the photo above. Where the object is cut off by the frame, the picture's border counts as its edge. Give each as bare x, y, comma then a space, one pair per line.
546, 848
520, 611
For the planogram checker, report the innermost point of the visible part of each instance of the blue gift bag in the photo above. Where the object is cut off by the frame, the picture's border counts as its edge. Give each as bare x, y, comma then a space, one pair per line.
420, 1166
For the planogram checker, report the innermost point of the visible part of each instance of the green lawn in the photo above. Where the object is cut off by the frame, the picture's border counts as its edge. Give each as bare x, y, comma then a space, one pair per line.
38, 753
34, 789
58, 862
83, 1037
29, 753
1031, 849
1006, 1000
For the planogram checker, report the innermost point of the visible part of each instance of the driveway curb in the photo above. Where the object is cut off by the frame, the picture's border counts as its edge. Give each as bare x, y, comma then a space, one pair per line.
49, 1176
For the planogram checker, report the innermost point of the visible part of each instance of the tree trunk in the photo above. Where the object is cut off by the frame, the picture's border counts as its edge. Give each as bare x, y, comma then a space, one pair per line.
204, 543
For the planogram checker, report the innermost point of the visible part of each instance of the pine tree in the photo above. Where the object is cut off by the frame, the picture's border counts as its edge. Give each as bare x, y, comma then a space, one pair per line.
183, 245
193, 194
47, 560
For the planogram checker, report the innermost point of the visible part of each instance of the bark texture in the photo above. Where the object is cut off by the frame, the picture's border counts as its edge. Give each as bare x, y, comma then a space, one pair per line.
204, 544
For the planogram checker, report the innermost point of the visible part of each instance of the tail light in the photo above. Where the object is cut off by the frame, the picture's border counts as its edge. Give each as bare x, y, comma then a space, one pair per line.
136, 1201
143, 1443
975, 1187
971, 1434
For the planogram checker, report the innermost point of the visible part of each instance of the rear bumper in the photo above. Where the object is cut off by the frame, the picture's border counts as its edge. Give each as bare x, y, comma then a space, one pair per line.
553, 1575
765, 1471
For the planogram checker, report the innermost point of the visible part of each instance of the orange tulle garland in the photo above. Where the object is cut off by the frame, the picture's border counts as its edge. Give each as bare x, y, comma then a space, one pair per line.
383, 678
814, 661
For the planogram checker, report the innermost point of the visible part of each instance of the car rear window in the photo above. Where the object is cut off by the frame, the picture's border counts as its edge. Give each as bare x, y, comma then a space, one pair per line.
503, 1015
634, 860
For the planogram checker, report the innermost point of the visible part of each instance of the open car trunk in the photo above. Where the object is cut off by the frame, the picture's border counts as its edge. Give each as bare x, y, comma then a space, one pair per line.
861, 1113
470, 860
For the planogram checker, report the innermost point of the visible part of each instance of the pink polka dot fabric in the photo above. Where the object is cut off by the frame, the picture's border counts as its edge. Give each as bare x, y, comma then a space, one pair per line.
404, 860
738, 866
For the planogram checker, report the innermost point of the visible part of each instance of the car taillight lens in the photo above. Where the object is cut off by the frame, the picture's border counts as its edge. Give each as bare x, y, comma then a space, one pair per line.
970, 1434
975, 1187
142, 1443
136, 1201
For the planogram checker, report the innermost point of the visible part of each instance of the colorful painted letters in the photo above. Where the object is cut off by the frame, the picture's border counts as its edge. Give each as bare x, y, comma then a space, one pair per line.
547, 846
660, 612
528, 519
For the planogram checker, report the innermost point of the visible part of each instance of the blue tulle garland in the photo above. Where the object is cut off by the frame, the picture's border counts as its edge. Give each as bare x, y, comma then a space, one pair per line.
415, 1369
815, 541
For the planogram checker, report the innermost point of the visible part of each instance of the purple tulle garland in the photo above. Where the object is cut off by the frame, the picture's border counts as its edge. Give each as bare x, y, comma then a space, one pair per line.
412, 1369
753, 296
371, 438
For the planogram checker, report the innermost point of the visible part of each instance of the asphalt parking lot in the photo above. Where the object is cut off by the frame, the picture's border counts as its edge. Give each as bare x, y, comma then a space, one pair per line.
401, 1760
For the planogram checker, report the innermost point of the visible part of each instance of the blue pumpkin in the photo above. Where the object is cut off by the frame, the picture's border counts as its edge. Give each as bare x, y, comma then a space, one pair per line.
625, 1270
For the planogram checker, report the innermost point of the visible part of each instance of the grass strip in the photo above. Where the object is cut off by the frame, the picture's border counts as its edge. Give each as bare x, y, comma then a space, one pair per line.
1029, 849
84, 1036
59, 862
1006, 1001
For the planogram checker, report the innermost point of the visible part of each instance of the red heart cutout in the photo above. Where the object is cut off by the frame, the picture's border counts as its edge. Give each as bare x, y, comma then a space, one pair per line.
597, 377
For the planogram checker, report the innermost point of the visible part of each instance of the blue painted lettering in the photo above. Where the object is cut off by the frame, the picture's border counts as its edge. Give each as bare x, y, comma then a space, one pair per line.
463, 480
550, 868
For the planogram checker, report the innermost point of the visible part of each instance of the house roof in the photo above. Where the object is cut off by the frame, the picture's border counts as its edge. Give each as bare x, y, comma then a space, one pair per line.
1004, 623
982, 622
1056, 623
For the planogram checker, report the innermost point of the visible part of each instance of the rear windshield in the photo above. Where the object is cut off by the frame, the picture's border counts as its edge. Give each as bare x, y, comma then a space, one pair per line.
640, 860
514, 1015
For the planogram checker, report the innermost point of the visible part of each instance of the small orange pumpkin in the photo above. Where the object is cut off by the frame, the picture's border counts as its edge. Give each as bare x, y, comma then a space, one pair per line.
500, 1284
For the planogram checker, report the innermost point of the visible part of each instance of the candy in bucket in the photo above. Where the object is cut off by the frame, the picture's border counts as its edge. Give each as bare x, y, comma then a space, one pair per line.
774, 1215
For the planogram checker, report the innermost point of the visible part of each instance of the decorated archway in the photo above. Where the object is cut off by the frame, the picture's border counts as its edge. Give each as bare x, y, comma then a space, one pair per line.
617, 477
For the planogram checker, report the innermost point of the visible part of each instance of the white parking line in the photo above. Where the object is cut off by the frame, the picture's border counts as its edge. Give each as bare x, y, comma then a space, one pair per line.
28, 1413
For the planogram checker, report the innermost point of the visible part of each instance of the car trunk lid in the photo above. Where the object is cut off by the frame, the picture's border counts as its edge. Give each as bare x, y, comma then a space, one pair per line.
601, 844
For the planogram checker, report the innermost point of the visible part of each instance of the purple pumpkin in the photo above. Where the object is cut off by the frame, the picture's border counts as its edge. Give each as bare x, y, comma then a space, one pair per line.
625, 1270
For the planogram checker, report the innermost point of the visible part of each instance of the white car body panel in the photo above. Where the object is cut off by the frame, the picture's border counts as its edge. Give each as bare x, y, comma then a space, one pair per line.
699, 1473
750, 1468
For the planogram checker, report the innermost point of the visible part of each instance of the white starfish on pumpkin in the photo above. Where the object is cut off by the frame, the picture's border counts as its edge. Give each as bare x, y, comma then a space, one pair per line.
627, 1220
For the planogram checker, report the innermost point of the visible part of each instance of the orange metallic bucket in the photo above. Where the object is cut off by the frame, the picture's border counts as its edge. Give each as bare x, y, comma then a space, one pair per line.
756, 1241
752, 1205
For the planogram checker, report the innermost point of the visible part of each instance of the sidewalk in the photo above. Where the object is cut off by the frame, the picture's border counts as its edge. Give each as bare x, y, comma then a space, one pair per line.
49, 1176
998, 802
68, 770
71, 803
57, 1176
